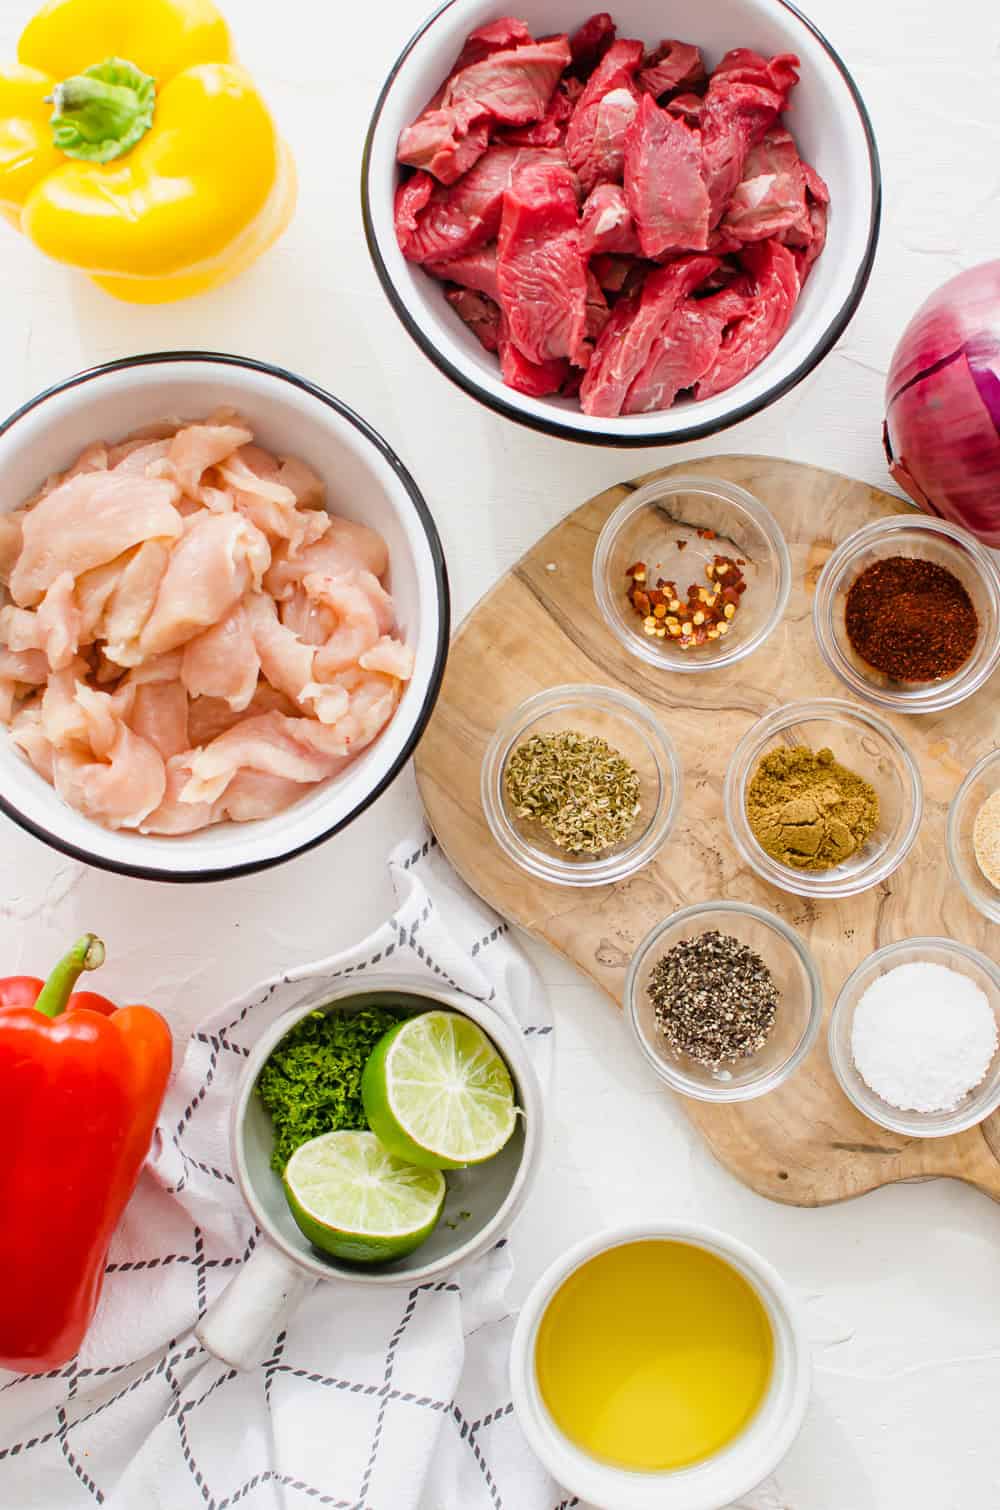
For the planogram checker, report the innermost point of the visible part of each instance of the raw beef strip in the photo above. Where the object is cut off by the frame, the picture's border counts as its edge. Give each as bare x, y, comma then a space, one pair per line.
612, 271
598, 313
627, 339
434, 141
770, 199
818, 198
588, 45
747, 343
595, 139
687, 106
606, 224
495, 36
540, 268
664, 188
511, 87
673, 65
446, 143
536, 379
454, 221
685, 349
550, 131
476, 270
452, 133
734, 119
480, 314
742, 65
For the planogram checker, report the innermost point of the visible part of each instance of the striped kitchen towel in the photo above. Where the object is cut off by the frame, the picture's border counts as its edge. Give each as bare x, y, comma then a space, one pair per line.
396, 1400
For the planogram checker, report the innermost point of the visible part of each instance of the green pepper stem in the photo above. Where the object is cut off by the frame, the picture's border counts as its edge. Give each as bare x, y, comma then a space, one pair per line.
86, 954
101, 113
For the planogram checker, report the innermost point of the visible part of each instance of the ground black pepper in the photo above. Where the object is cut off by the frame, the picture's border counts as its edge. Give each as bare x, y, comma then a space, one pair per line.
713, 998
911, 619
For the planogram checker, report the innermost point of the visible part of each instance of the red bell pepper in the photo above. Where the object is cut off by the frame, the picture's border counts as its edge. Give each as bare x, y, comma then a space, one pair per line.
81, 1085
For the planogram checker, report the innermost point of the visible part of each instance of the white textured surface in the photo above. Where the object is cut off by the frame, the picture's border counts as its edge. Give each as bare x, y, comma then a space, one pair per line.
901, 1286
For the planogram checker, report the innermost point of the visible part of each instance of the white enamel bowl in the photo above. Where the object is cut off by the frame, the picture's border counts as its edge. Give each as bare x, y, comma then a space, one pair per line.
827, 117
365, 481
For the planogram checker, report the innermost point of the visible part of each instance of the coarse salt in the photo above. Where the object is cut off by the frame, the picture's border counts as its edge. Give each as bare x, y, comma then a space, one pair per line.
923, 1036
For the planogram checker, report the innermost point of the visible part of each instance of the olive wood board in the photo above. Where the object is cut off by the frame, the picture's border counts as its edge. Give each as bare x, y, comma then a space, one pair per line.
804, 1143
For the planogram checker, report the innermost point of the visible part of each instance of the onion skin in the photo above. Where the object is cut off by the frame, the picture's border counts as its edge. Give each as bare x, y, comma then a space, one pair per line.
942, 427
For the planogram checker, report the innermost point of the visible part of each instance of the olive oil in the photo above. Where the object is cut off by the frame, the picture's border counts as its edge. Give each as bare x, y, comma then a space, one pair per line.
654, 1355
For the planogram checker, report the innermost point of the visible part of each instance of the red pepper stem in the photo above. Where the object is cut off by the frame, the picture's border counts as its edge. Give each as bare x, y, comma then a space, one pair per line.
86, 954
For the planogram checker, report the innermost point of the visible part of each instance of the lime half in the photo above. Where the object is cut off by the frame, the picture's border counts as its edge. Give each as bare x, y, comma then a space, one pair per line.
353, 1199
437, 1092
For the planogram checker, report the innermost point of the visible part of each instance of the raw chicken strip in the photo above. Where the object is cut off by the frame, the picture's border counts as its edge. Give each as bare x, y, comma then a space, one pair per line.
59, 622
208, 717
390, 657
344, 548
87, 521
357, 623
30, 738
290, 664
302, 480
223, 662
272, 506
208, 573
266, 743
197, 447
160, 717
173, 817
138, 458
120, 778
256, 794
131, 602
10, 542
19, 670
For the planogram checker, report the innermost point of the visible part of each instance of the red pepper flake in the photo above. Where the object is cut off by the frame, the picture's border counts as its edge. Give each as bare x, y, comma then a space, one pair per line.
704, 615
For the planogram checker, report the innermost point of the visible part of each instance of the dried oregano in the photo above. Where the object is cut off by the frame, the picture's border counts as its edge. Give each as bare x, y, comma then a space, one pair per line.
580, 789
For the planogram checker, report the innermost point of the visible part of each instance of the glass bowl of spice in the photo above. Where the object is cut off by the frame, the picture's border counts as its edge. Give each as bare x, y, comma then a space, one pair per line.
724, 1000
907, 613
581, 785
913, 1037
974, 836
691, 573
822, 798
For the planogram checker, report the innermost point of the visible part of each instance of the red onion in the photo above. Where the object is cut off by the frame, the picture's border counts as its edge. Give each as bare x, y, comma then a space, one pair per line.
942, 427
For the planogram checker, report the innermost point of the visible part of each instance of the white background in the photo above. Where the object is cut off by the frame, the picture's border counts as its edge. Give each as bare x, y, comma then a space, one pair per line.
903, 1287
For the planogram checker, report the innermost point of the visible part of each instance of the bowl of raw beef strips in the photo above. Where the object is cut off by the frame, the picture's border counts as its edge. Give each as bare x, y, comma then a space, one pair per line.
223, 616
628, 228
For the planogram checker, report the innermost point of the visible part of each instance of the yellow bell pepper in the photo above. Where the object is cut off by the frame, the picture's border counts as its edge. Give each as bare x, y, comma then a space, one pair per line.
133, 146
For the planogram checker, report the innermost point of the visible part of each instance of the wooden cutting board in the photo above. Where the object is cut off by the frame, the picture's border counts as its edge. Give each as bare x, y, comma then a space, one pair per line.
804, 1143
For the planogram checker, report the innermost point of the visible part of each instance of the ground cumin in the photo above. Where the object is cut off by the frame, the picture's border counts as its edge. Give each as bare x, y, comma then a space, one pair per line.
808, 811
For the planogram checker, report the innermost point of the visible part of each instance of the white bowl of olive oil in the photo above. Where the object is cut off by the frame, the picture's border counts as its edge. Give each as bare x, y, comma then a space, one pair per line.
660, 1366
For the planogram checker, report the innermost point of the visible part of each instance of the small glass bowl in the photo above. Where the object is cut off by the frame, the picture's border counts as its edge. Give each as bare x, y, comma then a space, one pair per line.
796, 1023
644, 528
863, 743
981, 782
931, 540
628, 726
980, 1101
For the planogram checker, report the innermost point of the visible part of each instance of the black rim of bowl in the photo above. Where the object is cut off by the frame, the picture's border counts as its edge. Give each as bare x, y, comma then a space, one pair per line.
423, 513
696, 430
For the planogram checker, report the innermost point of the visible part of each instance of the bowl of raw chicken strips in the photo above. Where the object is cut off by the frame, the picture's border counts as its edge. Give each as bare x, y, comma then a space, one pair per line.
634, 227
223, 616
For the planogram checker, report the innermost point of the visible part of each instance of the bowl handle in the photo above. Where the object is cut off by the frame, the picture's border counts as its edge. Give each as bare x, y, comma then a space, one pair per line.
241, 1325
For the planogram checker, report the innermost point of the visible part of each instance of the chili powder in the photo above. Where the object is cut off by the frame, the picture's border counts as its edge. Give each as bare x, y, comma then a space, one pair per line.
911, 619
